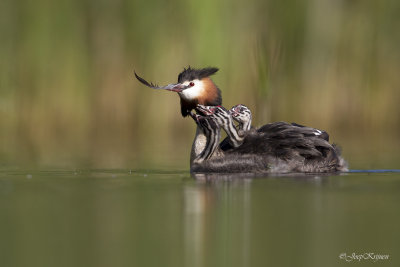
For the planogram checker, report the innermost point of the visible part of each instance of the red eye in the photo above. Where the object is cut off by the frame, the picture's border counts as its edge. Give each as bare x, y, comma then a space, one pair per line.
191, 84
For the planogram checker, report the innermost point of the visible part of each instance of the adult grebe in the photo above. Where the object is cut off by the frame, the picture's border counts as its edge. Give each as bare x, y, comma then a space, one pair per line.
277, 149
273, 148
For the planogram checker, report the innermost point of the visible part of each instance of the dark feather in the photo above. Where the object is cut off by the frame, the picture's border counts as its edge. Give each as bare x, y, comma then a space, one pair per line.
140, 79
170, 86
190, 74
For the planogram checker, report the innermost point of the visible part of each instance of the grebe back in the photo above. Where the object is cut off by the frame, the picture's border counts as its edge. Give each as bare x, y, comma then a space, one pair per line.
272, 148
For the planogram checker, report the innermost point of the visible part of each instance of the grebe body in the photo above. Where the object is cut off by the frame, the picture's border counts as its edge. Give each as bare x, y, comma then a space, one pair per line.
277, 147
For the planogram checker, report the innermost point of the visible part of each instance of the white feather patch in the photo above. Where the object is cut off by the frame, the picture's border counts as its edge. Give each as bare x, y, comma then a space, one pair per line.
193, 92
317, 132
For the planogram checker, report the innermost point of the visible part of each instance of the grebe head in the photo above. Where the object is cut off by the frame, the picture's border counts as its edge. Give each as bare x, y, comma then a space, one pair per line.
194, 87
242, 115
206, 110
218, 113
201, 89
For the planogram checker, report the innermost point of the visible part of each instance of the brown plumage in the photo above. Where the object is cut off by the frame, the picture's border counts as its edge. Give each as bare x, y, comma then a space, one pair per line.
207, 94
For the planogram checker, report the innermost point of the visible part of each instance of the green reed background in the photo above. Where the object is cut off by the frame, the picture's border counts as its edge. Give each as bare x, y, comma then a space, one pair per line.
68, 96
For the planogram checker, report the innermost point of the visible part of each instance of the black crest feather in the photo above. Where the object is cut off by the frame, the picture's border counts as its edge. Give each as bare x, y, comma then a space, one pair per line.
190, 74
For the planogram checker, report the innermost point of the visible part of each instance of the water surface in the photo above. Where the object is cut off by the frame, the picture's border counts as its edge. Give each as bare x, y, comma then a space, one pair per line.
169, 218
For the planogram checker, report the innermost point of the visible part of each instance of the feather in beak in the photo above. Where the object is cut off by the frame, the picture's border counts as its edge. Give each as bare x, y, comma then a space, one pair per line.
175, 87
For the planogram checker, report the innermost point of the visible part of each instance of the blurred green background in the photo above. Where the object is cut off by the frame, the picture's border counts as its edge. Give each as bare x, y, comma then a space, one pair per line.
68, 96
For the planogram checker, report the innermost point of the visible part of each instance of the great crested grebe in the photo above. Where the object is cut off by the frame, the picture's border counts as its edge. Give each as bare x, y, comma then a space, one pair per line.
273, 148
276, 147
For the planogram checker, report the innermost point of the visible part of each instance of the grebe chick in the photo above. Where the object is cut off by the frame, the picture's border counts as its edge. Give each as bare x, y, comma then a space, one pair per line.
212, 132
209, 126
274, 148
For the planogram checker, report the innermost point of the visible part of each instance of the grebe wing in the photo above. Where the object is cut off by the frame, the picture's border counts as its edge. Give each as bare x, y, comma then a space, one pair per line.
284, 140
274, 127
283, 128
308, 131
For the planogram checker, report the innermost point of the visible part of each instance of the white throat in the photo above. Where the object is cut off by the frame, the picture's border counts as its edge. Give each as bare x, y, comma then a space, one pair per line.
193, 92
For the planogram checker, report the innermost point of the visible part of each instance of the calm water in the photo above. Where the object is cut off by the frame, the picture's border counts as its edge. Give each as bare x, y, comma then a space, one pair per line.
166, 218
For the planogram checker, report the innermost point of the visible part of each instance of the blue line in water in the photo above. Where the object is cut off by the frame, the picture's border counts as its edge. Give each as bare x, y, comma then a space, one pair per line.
376, 171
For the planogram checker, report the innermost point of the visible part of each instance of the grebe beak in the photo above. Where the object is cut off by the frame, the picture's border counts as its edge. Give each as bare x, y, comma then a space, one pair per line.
234, 113
206, 110
174, 87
